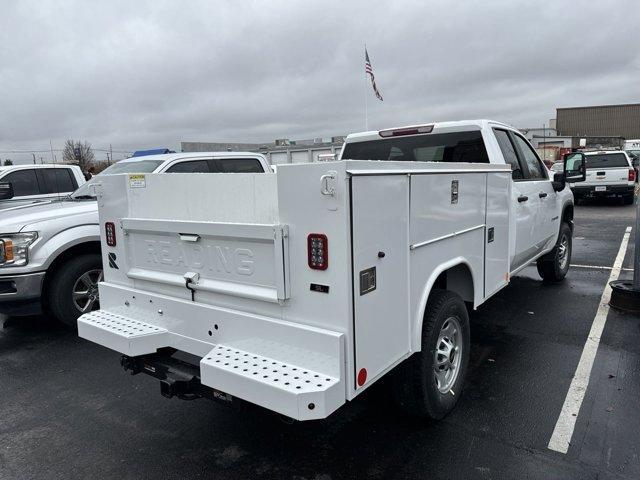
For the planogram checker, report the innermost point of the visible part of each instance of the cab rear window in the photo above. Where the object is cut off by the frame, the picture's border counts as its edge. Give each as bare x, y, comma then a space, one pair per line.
607, 160
467, 147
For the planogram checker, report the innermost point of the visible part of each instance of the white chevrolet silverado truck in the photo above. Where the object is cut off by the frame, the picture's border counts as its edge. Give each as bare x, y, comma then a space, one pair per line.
610, 173
51, 250
300, 290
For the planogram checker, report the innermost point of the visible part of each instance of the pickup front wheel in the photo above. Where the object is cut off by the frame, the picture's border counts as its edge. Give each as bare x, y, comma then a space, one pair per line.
553, 266
429, 383
73, 290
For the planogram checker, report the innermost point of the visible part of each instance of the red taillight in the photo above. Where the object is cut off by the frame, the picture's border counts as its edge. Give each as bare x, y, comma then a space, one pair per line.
110, 233
317, 251
632, 175
398, 132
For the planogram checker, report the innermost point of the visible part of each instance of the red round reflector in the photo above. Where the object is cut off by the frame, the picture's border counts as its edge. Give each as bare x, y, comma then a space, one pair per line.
362, 377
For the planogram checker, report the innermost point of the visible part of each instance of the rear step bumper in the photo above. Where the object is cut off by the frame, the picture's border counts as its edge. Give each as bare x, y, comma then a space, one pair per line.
280, 374
590, 190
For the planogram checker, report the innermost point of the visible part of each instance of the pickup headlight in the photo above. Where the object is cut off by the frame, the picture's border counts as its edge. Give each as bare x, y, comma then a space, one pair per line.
14, 248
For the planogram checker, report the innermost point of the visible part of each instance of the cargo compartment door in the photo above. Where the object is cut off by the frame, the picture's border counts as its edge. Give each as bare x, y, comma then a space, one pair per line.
241, 260
380, 208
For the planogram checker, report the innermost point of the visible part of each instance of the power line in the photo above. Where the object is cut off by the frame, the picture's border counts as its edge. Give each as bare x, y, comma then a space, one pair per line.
61, 150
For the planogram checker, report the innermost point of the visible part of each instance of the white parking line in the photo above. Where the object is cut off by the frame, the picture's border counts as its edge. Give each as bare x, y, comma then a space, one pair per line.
562, 433
599, 267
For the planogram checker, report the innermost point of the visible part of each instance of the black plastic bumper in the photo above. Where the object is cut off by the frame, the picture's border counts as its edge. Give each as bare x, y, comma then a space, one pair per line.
611, 191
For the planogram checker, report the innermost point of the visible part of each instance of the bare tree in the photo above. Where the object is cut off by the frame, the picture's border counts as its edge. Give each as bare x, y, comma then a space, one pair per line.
7, 162
79, 153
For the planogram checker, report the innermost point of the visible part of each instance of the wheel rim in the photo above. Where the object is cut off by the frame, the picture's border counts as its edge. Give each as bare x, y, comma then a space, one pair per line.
448, 354
85, 291
563, 252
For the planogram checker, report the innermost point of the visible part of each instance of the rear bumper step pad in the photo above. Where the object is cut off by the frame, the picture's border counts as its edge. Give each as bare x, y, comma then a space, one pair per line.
123, 334
291, 390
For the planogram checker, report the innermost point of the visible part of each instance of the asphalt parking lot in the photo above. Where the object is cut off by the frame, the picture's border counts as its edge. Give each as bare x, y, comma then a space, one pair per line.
67, 410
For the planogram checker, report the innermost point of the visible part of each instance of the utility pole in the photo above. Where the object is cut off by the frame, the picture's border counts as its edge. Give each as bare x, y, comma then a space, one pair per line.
53, 158
110, 155
544, 142
34, 158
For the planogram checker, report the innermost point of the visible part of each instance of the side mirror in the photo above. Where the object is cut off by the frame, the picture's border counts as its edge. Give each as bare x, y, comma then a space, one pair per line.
575, 167
6, 190
558, 182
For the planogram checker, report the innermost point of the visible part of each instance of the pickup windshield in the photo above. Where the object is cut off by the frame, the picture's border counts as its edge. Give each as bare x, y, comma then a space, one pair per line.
438, 147
138, 166
607, 160
85, 192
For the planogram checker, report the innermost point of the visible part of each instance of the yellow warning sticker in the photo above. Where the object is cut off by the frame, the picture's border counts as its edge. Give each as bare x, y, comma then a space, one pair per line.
137, 180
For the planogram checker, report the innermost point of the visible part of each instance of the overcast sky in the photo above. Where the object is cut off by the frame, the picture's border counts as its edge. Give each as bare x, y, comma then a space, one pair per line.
151, 74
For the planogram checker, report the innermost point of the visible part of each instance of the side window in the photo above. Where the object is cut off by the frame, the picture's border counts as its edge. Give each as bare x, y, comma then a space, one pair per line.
56, 180
193, 166
509, 154
24, 182
534, 165
240, 165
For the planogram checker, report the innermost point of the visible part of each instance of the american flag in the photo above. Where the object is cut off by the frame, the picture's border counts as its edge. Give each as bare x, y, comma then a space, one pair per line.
369, 69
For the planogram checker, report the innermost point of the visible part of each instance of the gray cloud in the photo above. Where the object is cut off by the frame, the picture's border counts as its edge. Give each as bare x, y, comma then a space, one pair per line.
144, 74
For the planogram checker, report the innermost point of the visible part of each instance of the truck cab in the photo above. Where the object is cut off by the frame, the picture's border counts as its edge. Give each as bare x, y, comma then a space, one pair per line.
538, 205
25, 184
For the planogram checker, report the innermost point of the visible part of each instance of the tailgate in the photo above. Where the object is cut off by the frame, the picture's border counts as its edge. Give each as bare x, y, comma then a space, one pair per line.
607, 176
239, 259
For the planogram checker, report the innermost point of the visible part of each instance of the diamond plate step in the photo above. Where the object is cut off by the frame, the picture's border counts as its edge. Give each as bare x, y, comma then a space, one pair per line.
123, 334
284, 387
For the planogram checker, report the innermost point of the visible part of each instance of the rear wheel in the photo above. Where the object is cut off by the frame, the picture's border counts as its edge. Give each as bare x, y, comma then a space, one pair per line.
553, 266
628, 200
73, 290
430, 382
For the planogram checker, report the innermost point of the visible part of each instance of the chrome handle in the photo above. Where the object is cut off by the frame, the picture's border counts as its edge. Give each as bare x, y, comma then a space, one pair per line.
189, 237
325, 187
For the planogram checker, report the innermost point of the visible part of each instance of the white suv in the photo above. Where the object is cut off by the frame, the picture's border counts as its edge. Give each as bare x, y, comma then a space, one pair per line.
609, 174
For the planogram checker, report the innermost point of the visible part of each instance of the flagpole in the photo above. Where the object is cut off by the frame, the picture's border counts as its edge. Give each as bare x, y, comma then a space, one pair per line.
366, 106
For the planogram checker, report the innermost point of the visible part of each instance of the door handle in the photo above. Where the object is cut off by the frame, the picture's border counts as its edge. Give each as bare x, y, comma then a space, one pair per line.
542, 194
188, 237
523, 198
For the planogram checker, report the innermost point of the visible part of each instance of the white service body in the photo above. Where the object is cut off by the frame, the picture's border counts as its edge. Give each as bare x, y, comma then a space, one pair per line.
223, 274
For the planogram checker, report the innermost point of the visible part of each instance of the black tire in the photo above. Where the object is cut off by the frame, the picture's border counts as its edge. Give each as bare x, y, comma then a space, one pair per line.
553, 266
59, 295
416, 388
628, 200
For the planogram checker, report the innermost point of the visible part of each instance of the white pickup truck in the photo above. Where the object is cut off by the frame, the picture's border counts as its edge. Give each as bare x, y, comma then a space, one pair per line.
54, 261
300, 290
27, 184
610, 173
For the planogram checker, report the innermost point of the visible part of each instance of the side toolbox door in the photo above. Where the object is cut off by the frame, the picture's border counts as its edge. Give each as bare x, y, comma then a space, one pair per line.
380, 272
